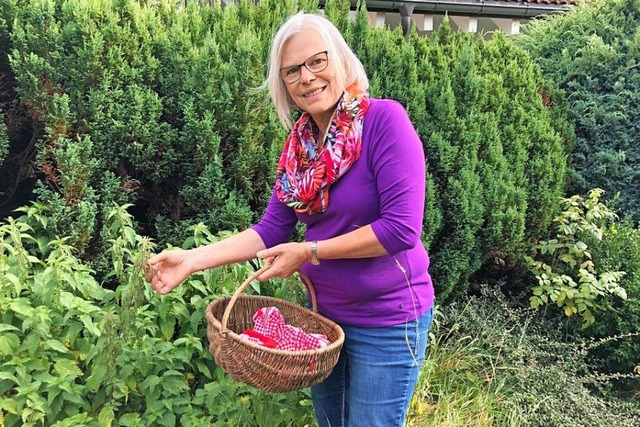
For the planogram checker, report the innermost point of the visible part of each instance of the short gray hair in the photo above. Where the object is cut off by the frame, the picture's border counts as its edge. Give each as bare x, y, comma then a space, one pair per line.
346, 65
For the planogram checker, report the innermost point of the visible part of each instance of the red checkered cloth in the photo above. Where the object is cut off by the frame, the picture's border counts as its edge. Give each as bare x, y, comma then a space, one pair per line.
270, 328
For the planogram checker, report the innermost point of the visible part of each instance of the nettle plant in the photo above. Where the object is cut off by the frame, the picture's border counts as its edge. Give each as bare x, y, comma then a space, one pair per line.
73, 353
566, 273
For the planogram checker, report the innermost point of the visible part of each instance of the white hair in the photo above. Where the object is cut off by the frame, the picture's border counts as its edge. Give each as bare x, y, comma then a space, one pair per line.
345, 64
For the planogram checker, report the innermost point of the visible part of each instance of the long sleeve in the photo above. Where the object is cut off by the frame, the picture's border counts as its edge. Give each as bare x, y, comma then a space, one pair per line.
398, 165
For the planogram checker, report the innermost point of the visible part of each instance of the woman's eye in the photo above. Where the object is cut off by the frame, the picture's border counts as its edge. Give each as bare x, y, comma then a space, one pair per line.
292, 70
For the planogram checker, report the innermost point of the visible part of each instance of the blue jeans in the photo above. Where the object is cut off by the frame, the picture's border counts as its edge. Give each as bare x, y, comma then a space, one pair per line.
375, 377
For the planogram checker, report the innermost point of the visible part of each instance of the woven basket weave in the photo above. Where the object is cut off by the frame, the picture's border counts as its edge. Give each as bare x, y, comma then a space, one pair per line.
266, 368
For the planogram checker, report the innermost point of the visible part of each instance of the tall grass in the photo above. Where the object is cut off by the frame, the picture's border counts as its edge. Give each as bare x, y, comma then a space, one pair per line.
459, 385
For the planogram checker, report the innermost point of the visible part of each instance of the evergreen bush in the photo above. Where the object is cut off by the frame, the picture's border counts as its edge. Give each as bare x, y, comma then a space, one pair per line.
163, 95
495, 153
153, 104
592, 54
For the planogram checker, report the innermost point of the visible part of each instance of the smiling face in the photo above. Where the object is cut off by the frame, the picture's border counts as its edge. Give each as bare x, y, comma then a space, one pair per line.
316, 93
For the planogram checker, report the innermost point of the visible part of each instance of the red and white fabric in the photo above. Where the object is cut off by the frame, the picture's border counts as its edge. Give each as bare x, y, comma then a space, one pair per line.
271, 331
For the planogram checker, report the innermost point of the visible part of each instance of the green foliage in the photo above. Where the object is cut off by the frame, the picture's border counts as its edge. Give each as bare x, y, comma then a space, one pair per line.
50, 318
74, 353
619, 250
452, 87
4, 43
564, 266
495, 153
460, 384
153, 103
491, 363
591, 53
162, 96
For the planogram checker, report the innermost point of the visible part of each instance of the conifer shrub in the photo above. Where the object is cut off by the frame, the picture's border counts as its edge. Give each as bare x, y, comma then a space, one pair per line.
163, 97
591, 53
151, 104
495, 153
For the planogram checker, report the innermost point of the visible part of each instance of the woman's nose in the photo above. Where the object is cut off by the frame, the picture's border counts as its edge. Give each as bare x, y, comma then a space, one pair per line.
306, 75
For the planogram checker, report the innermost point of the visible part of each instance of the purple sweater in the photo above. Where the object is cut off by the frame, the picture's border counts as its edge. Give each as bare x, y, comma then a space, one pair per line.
385, 187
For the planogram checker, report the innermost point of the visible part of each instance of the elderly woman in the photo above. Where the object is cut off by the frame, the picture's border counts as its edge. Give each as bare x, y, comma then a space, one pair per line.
353, 171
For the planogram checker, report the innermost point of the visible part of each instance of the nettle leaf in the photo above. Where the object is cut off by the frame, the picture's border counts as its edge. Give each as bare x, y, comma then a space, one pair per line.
31, 343
196, 319
68, 300
22, 306
106, 416
13, 279
9, 405
5, 327
66, 368
95, 379
151, 382
88, 323
56, 345
74, 421
8, 377
9, 343
204, 369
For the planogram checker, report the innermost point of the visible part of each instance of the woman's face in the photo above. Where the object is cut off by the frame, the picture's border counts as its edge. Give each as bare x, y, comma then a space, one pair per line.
316, 93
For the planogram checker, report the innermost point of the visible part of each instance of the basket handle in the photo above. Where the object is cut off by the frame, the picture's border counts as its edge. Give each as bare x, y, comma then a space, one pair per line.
242, 287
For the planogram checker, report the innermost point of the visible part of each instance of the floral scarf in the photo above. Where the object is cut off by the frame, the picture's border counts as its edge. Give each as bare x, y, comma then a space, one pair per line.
304, 173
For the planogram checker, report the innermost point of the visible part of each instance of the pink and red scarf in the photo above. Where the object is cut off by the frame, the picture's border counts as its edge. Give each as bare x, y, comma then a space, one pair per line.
304, 173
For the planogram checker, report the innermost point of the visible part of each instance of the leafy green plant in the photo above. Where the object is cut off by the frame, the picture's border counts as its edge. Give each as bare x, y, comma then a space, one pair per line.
73, 353
619, 250
566, 273
50, 314
494, 363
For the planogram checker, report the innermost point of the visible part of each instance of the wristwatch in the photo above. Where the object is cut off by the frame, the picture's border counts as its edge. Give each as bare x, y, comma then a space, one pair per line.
314, 253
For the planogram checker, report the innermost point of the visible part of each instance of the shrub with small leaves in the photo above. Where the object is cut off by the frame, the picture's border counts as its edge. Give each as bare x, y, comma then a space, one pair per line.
494, 363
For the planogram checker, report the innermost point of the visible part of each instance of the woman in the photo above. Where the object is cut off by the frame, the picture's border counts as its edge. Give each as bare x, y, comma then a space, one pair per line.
353, 170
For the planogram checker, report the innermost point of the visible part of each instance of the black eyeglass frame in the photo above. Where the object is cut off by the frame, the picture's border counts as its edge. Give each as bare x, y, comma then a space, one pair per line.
304, 64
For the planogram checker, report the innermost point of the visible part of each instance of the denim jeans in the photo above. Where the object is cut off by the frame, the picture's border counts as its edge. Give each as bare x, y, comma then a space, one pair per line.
375, 377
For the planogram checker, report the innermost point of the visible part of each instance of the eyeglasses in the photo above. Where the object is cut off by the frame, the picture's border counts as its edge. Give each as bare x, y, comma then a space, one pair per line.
315, 64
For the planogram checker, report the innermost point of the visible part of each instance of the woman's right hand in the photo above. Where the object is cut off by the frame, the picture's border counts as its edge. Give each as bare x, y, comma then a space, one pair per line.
167, 270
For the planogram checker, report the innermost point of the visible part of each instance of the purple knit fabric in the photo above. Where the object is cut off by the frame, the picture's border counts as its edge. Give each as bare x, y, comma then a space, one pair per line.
385, 187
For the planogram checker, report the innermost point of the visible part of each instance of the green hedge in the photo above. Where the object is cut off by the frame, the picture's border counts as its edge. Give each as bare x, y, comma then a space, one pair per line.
592, 54
4, 70
152, 104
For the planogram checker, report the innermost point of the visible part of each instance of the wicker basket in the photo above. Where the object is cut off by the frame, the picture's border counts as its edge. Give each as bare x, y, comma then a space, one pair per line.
265, 368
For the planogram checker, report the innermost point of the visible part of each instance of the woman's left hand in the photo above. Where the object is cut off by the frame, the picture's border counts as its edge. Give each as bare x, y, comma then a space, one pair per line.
284, 259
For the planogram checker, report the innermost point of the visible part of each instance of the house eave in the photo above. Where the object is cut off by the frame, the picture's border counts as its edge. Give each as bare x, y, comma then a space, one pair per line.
478, 8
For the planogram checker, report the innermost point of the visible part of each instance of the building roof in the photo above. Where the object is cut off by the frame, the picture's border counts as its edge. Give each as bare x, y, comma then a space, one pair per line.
493, 8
